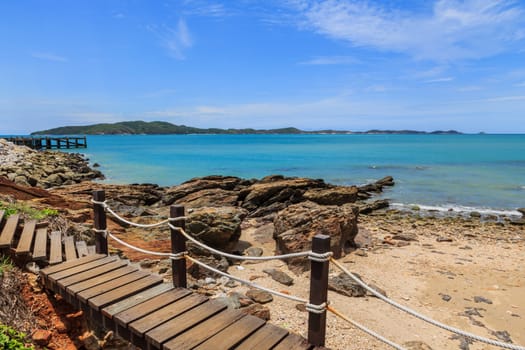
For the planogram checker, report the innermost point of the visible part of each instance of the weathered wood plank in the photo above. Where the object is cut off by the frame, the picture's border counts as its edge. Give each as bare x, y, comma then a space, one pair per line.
136, 299
168, 312
81, 248
26, 238
120, 293
8, 233
264, 338
204, 330
91, 273
40, 246
55, 248
110, 285
233, 334
293, 342
80, 268
92, 282
69, 248
91, 249
67, 265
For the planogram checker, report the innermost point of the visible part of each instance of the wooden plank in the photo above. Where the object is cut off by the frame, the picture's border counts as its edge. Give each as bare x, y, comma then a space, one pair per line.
293, 342
179, 324
40, 246
92, 249
55, 253
94, 272
203, 331
168, 312
136, 299
1, 215
69, 247
233, 334
26, 238
8, 233
120, 293
67, 265
110, 285
92, 282
264, 338
80, 268
81, 248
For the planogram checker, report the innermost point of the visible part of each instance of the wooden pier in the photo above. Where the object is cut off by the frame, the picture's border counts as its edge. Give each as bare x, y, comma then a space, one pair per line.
47, 142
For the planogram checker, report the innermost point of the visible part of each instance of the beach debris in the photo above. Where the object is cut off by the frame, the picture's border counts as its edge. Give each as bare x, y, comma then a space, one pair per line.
503, 336
464, 342
445, 297
279, 276
480, 299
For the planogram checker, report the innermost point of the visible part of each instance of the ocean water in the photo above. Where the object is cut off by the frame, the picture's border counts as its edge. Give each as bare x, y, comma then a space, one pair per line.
485, 172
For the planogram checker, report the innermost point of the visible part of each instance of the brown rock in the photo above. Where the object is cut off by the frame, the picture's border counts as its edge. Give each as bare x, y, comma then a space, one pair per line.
176, 193
61, 327
338, 195
259, 296
41, 337
257, 310
299, 223
213, 197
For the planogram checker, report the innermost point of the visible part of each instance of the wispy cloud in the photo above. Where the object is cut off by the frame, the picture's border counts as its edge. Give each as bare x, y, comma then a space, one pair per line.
206, 9
451, 30
175, 40
331, 60
440, 80
506, 98
48, 56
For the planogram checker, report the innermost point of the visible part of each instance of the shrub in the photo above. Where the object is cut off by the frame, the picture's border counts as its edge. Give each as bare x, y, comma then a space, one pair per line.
11, 339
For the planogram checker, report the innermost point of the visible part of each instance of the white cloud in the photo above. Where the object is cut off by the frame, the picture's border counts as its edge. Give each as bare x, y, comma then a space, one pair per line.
506, 98
452, 30
48, 56
331, 60
175, 40
440, 80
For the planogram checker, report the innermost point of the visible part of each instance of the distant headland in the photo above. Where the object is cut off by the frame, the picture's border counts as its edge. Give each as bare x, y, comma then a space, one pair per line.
160, 127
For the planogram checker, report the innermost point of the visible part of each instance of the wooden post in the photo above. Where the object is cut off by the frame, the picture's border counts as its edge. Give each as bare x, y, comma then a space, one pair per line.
178, 245
318, 291
99, 217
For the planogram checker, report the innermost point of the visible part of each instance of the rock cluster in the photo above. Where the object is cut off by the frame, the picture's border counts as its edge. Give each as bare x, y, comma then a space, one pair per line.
44, 169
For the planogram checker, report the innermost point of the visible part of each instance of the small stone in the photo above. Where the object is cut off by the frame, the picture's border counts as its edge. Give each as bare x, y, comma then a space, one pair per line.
503, 336
209, 280
479, 299
279, 276
61, 327
444, 239
259, 296
41, 337
90, 341
475, 214
148, 264
402, 244
522, 211
301, 307
258, 310
345, 285
405, 237
416, 345
445, 297
254, 251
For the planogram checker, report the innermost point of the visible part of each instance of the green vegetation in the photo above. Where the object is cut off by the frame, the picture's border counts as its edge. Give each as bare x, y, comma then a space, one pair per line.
10, 339
20, 208
158, 127
5, 265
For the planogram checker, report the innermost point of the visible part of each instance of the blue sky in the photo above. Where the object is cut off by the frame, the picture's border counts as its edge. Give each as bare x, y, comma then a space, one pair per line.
339, 64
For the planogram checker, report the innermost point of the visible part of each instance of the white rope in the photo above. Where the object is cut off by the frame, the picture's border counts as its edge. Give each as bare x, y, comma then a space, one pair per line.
103, 232
251, 284
316, 309
120, 218
238, 257
149, 252
425, 318
366, 330
320, 257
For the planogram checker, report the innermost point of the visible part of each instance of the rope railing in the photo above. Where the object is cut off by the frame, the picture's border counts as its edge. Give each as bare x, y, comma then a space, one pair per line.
316, 257
423, 317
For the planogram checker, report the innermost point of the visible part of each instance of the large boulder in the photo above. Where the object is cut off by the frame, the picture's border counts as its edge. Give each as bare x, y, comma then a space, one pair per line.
212, 197
277, 189
228, 183
337, 195
218, 227
296, 225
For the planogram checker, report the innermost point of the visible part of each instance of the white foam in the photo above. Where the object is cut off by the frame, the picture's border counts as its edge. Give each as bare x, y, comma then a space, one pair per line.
457, 209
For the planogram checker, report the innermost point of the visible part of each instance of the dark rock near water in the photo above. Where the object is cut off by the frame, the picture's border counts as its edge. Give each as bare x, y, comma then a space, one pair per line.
521, 210
369, 207
175, 193
296, 225
338, 195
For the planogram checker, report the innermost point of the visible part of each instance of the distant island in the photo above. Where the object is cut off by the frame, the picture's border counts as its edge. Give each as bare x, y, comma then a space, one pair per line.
159, 127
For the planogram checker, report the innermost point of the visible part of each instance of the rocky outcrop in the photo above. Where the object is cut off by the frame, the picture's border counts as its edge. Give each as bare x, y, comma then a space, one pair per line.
44, 169
178, 193
296, 225
217, 227
338, 195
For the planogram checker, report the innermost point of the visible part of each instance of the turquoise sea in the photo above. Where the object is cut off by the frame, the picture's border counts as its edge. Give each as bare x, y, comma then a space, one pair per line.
485, 172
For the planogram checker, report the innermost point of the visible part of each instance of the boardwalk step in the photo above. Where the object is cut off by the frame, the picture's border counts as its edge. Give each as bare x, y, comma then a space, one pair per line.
8, 232
26, 238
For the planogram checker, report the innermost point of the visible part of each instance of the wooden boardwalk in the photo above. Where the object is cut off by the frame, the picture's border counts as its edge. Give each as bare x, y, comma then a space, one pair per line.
31, 241
139, 307
56, 142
